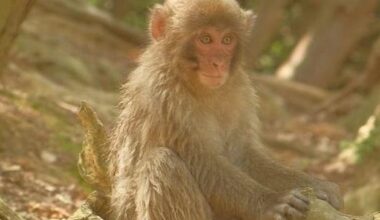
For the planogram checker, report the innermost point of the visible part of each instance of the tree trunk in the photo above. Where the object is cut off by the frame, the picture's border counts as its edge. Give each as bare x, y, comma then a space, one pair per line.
120, 8
320, 53
366, 81
92, 16
372, 71
270, 15
243, 3
12, 13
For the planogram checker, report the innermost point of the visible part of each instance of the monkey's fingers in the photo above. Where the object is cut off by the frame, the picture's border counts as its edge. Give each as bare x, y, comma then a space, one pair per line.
300, 196
299, 204
322, 196
288, 212
297, 200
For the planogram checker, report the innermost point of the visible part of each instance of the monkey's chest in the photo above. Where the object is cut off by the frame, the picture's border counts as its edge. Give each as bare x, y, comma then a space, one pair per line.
217, 132
226, 135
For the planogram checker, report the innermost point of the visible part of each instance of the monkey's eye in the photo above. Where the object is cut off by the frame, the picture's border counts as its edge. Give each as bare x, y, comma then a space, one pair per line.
205, 39
227, 40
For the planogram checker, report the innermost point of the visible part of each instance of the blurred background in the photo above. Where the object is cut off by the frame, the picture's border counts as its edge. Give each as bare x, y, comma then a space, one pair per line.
316, 64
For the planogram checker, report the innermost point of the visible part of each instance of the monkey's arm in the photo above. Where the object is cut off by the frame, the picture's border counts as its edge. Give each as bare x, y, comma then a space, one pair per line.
227, 189
272, 174
257, 163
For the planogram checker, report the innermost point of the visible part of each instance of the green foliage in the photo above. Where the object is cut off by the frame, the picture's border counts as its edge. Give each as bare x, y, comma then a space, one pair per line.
284, 42
97, 3
358, 116
136, 19
365, 146
138, 14
368, 145
278, 51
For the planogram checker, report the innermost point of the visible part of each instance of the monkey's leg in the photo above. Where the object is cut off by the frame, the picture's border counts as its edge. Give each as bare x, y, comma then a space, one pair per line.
167, 190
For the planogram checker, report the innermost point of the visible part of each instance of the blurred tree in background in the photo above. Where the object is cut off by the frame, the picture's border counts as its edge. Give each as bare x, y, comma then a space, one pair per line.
316, 64
12, 14
288, 29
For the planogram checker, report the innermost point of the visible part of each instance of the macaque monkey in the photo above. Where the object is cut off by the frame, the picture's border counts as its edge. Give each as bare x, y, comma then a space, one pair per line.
187, 145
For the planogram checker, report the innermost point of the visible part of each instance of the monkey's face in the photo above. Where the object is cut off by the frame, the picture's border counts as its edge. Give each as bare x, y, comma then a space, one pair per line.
203, 39
214, 50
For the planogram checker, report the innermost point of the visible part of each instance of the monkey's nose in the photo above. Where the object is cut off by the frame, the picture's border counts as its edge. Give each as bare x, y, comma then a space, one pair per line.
217, 63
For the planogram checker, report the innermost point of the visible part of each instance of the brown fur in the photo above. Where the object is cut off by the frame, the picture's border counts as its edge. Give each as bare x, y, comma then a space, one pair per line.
184, 152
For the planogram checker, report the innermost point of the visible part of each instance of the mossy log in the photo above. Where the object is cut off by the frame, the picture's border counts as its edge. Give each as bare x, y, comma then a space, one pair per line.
91, 167
321, 210
93, 157
7, 213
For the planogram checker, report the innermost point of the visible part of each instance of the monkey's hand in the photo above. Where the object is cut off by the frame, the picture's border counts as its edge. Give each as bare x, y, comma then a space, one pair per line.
291, 206
330, 192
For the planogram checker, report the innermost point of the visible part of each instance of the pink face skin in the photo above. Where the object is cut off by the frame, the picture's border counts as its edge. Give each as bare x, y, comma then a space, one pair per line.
215, 49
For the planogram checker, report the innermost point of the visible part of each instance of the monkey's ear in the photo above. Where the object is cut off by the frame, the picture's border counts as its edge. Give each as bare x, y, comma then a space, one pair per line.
158, 22
250, 17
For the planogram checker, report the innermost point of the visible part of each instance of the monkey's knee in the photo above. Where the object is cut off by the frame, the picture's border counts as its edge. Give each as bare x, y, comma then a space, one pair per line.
167, 190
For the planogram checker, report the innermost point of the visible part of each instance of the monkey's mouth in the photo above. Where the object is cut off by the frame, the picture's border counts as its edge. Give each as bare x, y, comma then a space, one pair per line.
212, 81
